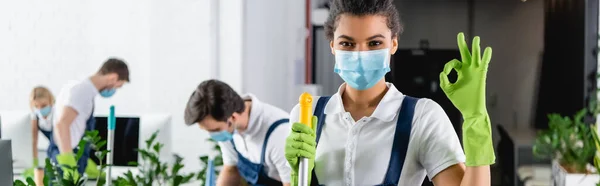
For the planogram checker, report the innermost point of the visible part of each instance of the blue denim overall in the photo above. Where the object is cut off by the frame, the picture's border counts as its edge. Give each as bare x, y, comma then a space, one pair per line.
254, 173
400, 144
53, 151
48, 134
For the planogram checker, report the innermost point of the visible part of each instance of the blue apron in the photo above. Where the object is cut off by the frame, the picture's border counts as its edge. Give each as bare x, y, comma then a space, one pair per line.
400, 144
53, 151
48, 134
253, 173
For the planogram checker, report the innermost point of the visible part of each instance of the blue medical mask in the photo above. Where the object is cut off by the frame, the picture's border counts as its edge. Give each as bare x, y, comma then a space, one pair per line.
362, 69
223, 135
108, 92
44, 111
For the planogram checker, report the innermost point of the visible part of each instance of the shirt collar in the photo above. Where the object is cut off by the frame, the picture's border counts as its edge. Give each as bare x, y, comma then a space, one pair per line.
256, 110
386, 110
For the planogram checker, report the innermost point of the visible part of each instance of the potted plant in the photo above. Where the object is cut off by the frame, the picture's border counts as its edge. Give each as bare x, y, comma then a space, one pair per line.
51, 169
152, 171
597, 154
569, 142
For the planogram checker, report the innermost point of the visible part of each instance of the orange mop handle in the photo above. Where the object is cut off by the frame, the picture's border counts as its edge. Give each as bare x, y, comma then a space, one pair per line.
305, 102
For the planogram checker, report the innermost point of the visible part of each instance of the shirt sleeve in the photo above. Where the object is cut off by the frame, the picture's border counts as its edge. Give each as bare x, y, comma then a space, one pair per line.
440, 146
76, 99
277, 153
33, 116
228, 153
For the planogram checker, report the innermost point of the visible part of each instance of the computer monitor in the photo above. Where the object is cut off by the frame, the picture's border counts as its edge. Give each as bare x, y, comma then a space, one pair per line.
16, 126
150, 123
127, 137
6, 168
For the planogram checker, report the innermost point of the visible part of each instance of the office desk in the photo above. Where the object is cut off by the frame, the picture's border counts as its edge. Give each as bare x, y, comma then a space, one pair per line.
523, 139
515, 150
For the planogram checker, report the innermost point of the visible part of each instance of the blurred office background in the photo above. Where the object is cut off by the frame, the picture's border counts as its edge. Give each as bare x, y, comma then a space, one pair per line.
544, 55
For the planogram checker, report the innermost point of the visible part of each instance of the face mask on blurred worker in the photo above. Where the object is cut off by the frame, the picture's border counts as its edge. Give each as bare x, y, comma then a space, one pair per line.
223, 135
44, 111
107, 93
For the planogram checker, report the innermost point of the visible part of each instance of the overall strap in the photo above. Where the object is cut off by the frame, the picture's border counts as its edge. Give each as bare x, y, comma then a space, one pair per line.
401, 139
90, 123
320, 113
233, 144
271, 129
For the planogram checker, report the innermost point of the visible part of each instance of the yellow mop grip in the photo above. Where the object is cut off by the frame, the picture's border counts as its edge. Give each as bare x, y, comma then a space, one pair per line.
305, 102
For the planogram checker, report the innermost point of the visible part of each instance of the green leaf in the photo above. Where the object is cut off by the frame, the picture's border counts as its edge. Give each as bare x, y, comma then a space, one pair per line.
176, 168
93, 133
151, 139
81, 148
81, 182
30, 182
130, 178
122, 181
163, 171
218, 161
177, 180
101, 144
204, 159
151, 156
188, 178
18, 183
157, 147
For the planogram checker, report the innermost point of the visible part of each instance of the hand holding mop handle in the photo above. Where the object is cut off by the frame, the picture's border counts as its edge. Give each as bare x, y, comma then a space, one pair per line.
111, 142
305, 102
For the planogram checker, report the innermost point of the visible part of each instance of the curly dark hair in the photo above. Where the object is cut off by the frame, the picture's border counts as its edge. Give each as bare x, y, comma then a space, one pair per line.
214, 98
360, 8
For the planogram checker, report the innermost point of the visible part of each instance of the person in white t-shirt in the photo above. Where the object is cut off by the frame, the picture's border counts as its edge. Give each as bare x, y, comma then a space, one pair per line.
74, 110
369, 133
41, 102
251, 134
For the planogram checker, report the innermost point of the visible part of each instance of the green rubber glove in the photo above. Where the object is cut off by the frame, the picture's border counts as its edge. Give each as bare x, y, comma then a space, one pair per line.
36, 162
28, 173
69, 160
301, 143
92, 169
468, 96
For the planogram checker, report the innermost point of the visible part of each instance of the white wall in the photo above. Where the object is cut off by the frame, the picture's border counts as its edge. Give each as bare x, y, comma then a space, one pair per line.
273, 44
231, 42
514, 29
180, 59
165, 43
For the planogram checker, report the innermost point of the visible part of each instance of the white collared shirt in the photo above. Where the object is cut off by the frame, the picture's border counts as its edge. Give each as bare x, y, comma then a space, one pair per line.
80, 97
358, 152
250, 142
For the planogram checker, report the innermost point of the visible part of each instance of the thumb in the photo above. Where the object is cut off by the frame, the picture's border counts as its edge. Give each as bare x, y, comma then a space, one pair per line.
444, 82
314, 123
